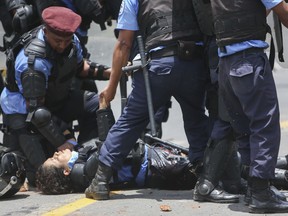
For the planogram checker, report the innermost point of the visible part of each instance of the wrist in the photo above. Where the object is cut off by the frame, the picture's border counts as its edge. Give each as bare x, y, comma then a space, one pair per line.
72, 142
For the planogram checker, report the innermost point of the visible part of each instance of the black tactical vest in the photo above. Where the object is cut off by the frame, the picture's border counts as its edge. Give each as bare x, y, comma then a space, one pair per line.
239, 20
163, 22
63, 70
203, 13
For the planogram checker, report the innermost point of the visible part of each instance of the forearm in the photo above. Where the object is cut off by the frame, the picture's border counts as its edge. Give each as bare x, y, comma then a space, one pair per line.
282, 12
120, 59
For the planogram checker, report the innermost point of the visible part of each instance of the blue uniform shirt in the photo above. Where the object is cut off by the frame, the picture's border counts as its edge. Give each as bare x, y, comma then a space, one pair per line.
127, 19
14, 102
233, 48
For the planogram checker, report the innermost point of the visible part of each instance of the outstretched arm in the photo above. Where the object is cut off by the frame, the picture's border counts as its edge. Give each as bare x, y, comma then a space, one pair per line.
120, 58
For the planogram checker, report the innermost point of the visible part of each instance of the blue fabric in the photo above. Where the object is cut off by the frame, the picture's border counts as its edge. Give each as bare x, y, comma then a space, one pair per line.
169, 76
73, 159
14, 102
234, 48
70, 5
271, 3
141, 177
249, 93
127, 19
125, 173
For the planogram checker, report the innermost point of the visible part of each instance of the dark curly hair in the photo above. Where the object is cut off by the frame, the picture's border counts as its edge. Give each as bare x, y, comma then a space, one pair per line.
51, 180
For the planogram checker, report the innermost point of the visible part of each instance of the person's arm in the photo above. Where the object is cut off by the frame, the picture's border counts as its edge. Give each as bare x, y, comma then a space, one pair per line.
95, 71
282, 12
120, 58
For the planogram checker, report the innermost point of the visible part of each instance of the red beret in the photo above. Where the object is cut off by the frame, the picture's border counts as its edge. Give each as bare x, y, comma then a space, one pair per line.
60, 20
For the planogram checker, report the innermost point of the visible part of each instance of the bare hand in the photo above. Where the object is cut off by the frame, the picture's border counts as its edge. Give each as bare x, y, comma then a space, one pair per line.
107, 95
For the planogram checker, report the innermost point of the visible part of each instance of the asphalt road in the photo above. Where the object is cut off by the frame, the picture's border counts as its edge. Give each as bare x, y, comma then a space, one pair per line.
145, 201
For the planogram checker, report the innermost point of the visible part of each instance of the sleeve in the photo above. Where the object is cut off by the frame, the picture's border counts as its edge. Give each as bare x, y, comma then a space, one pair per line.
269, 4
127, 19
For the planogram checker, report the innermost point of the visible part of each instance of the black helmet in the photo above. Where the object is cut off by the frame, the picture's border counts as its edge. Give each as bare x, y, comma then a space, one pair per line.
14, 4
24, 19
12, 174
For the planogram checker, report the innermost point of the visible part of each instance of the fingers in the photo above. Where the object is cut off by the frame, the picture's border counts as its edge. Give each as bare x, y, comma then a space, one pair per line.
102, 102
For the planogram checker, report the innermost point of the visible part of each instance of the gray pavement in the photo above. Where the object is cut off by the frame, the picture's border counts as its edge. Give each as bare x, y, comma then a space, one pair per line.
146, 202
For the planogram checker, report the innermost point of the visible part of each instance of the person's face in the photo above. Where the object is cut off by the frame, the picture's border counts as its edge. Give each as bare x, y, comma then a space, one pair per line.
58, 43
60, 159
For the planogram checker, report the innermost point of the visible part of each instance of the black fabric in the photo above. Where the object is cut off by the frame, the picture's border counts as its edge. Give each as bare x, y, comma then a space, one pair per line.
238, 21
165, 22
11, 54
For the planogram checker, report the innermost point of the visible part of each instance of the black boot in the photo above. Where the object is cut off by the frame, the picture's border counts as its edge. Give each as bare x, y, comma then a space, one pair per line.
205, 192
231, 181
215, 161
264, 200
281, 196
99, 187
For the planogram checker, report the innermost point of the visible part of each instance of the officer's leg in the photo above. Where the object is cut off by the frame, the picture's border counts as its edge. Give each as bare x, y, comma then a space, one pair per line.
81, 106
257, 85
190, 93
161, 115
124, 133
217, 154
19, 136
231, 179
49, 127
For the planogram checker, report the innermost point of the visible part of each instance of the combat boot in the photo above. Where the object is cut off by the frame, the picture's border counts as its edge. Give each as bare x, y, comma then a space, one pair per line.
205, 191
277, 193
99, 187
264, 200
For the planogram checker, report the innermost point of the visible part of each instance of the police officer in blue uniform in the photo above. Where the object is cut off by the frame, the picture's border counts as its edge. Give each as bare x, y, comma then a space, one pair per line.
38, 104
180, 73
247, 88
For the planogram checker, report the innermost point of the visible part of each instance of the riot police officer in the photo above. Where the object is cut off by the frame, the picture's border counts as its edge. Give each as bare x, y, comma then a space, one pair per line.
248, 90
172, 72
38, 103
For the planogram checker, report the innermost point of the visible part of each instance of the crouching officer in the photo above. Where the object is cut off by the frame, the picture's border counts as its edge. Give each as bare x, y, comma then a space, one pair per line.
38, 98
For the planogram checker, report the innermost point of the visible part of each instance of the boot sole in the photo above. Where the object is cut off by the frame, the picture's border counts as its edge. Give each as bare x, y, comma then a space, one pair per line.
202, 199
259, 211
98, 196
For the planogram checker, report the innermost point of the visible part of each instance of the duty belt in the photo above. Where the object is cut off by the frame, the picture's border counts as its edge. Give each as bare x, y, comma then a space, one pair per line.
165, 52
185, 51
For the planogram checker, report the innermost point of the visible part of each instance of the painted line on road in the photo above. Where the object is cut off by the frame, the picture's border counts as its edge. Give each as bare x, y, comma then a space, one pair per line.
73, 206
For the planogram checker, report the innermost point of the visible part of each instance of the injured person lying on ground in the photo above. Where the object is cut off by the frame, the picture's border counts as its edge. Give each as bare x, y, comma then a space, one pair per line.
147, 166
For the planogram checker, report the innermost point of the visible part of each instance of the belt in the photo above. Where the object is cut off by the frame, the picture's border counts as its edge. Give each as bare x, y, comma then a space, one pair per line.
165, 52
253, 49
249, 50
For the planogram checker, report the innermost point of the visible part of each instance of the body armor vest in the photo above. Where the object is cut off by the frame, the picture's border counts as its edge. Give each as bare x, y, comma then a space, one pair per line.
203, 13
63, 70
164, 22
238, 21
